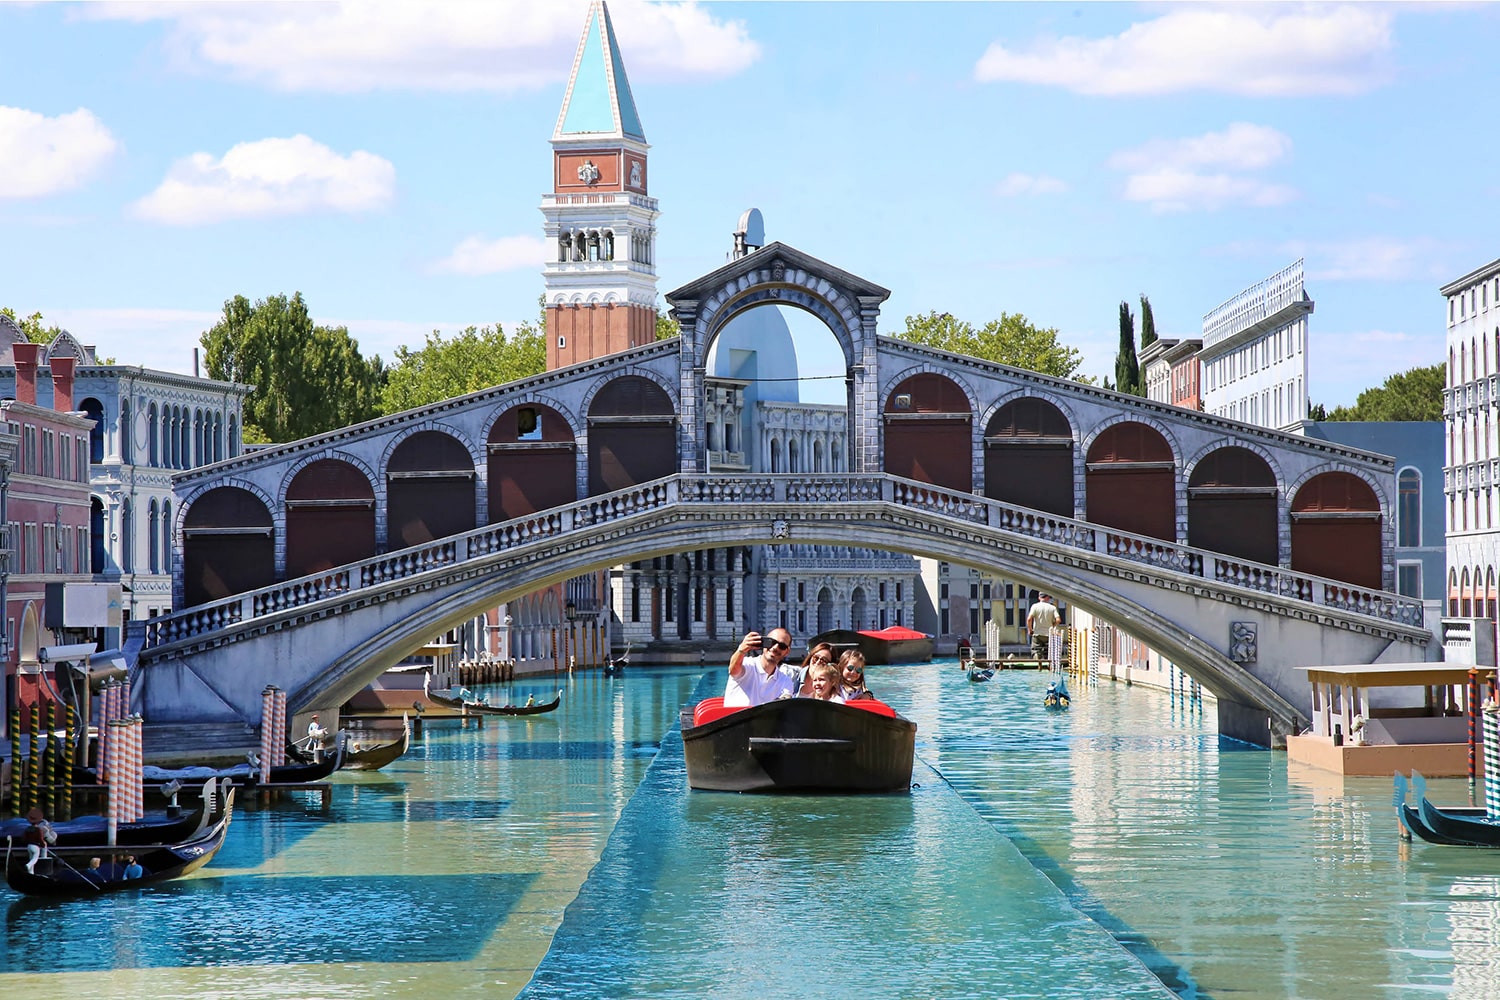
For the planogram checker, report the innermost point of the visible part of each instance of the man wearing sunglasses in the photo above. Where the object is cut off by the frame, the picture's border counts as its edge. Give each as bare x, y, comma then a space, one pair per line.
757, 679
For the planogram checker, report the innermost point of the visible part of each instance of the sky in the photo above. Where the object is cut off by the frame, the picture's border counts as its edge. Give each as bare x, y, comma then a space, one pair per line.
388, 160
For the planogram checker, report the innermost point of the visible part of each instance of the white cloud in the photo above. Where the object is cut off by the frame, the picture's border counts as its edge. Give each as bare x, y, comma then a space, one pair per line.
1173, 190
1015, 185
1169, 174
501, 45
477, 255
41, 156
1241, 146
1258, 51
267, 178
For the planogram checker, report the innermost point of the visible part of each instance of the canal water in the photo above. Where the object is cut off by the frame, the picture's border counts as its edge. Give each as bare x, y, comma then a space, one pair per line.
1097, 853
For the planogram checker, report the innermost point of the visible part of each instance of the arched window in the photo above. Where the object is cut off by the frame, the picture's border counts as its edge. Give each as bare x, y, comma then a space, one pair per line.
234, 435
1409, 508
775, 455
127, 434
153, 450
151, 534
166, 536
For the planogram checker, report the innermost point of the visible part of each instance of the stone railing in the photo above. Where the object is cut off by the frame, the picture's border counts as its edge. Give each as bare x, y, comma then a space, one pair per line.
808, 496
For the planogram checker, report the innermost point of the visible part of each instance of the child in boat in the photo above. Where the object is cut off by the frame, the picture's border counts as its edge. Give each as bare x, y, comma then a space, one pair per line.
851, 672
821, 653
823, 683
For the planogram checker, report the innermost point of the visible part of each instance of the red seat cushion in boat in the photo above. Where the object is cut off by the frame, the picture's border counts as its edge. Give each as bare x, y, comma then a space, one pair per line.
871, 705
710, 709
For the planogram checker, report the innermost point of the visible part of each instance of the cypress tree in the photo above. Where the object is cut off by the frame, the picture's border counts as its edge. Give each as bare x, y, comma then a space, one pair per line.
1127, 367
1148, 324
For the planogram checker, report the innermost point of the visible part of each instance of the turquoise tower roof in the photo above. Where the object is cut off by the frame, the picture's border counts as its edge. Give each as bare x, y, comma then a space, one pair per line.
598, 101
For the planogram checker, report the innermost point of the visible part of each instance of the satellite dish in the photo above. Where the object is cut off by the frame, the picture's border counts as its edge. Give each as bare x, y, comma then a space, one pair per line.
752, 227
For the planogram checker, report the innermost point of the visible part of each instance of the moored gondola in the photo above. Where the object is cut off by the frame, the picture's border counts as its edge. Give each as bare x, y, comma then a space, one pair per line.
362, 757
1450, 826
798, 744
66, 872
240, 774
161, 827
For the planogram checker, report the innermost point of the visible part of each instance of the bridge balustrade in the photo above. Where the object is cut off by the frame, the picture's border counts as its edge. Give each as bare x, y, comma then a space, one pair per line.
773, 490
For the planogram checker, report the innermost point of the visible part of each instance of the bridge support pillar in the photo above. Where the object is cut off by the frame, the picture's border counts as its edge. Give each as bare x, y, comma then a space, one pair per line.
1248, 724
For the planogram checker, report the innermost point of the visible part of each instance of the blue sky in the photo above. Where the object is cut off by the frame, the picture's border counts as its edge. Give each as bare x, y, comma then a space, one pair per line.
388, 160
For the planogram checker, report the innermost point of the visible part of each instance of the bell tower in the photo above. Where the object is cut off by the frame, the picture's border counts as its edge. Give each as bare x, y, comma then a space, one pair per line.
600, 222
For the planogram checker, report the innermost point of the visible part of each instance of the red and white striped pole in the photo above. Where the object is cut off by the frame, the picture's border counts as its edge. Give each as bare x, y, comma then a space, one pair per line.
278, 754
116, 784
267, 731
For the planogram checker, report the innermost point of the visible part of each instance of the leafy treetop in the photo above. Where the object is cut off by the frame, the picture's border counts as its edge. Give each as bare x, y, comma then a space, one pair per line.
1010, 340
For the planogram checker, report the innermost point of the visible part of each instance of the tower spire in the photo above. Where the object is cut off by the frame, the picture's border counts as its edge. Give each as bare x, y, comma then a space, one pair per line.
600, 220
598, 102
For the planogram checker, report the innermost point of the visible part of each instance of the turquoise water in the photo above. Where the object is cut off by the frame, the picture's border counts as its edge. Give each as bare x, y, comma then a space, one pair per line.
1047, 855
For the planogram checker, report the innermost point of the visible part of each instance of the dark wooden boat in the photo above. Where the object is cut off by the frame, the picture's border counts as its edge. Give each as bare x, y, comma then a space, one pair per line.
362, 757
241, 774
475, 707
163, 827
66, 872
1437, 826
614, 667
798, 744
883, 646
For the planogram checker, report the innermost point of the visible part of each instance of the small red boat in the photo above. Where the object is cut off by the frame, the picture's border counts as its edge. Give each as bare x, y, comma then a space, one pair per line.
798, 744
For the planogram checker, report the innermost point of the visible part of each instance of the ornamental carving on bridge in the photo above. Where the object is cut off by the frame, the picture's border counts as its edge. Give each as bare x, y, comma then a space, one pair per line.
1242, 641
779, 529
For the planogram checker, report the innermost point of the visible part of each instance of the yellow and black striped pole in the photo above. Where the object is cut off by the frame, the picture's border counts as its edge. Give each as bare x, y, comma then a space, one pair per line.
15, 760
70, 714
49, 765
33, 787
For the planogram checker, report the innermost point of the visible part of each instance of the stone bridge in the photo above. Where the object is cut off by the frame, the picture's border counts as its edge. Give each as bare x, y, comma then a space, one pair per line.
316, 563
322, 637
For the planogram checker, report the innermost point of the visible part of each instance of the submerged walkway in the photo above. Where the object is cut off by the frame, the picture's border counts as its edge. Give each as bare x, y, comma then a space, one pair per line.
706, 894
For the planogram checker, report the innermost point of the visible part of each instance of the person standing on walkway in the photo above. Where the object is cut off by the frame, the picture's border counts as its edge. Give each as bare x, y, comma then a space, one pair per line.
1040, 621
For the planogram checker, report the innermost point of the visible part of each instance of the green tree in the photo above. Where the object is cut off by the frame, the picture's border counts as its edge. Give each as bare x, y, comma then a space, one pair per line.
1127, 367
308, 379
1010, 340
34, 327
1148, 324
1416, 394
475, 358
666, 326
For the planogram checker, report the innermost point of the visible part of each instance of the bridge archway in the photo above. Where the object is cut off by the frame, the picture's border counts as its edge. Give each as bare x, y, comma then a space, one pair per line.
1232, 498
228, 545
1336, 529
1028, 456
330, 517
781, 275
1131, 480
429, 489
532, 462
929, 432
632, 434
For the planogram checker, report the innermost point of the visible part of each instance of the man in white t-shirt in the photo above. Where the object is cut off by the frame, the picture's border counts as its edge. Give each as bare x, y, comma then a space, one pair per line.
755, 680
1039, 623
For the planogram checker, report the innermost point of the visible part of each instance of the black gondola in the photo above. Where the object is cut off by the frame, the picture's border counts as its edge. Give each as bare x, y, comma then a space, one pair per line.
359, 757
978, 675
66, 872
240, 774
163, 827
1450, 826
474, 706
798, 744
